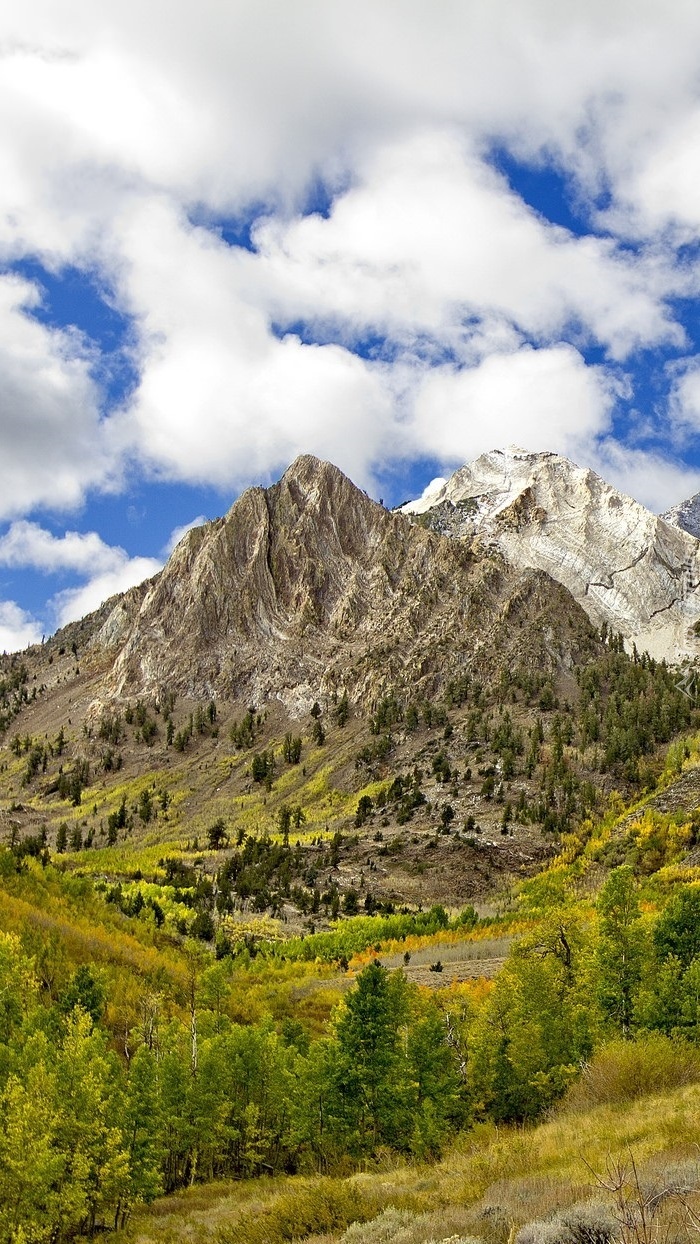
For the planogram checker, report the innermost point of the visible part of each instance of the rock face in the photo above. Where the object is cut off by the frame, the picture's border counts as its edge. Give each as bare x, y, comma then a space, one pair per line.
686, 516
309, 588
637, 572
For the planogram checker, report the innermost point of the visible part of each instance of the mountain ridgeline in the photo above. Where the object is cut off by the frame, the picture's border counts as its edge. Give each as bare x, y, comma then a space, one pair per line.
309, 589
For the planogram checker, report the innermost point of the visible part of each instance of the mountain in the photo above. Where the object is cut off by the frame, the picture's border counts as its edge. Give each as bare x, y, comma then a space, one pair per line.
312, 653
320, 710
628, 568
309, 613
686, 516
308, 589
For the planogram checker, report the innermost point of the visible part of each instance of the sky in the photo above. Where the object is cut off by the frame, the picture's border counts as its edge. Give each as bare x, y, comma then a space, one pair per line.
392, 233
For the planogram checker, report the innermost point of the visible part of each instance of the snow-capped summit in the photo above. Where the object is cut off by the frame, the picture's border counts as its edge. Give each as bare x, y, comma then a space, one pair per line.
636, 571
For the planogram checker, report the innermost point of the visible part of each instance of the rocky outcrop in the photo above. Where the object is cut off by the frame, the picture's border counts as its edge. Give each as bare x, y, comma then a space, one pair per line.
627, 567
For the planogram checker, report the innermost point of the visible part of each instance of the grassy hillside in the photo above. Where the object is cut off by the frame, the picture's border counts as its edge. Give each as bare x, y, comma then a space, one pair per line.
401, 802
596, 1167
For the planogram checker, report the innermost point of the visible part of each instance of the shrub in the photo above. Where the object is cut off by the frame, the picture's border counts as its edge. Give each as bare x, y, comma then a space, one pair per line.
395, 1226
670, 1179
325, 1205
381, 1230
623, 1071
589, 1222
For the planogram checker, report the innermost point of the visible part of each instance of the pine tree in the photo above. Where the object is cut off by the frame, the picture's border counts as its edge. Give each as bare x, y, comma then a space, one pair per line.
620, 946
371, 1089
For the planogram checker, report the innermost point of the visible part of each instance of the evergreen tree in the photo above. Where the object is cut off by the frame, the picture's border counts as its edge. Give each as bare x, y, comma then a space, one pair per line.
371, 1082
677, 931
85, 991
620, 947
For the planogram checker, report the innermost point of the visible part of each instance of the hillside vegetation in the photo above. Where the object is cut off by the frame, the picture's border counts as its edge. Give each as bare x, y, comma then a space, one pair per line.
625, 1168
135, 1063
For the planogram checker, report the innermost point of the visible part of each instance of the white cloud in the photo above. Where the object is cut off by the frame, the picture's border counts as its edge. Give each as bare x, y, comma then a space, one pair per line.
684, 402
51, 447
29, 544
663, 190
404, 253
107, 568
227, 103
221, 399
119, 121
17, 627
540, 399
76, 602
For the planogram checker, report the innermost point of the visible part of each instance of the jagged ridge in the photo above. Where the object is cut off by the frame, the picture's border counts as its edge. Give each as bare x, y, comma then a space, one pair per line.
309, 588
686, 516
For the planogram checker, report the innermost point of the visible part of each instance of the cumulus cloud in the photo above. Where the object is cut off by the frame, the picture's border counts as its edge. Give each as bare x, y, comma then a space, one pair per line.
18, 629
684, 405
106, 568
222, 400
51, 443
228, 103
243, 100
403, 253
30, 544
428, 311
540, 399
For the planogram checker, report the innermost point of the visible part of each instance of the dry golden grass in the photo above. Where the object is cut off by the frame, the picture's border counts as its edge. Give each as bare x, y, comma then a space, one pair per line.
489, 1184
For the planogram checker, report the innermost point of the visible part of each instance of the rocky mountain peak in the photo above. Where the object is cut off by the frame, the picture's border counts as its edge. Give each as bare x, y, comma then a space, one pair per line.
313, 494
308, 471
308, 588
498, 477
627, 567
686, 516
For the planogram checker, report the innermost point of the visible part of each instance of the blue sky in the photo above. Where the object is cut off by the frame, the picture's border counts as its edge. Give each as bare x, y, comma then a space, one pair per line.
230, 234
